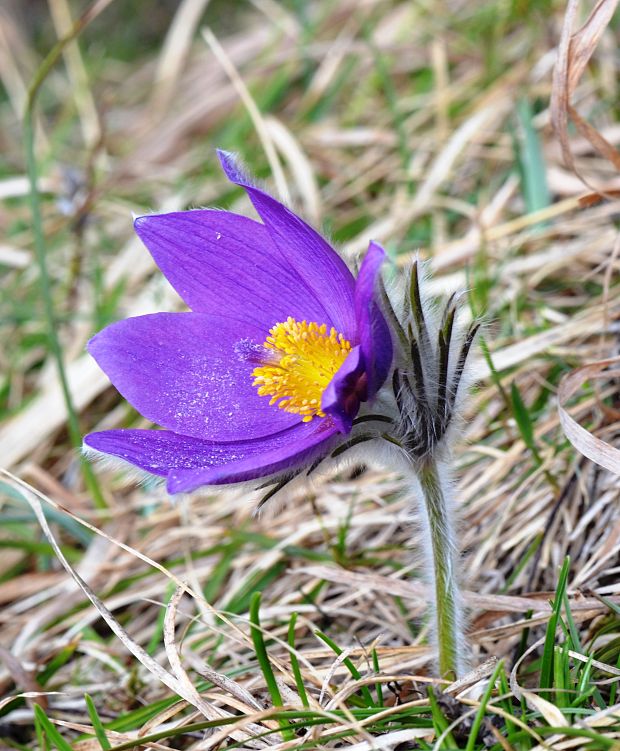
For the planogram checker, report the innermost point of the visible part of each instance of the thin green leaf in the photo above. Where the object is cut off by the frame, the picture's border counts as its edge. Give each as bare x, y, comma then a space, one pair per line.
378, 686
531, 161
355, 673
61, 658
263, 657
299, 681
524, 422
477, 723
97, 724
50, 730
547, 662
439, 720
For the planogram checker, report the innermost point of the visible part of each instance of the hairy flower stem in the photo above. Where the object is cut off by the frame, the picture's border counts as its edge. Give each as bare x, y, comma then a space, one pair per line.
443, 567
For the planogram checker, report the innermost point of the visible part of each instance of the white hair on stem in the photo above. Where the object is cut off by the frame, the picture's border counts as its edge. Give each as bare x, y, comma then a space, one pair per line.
446, 531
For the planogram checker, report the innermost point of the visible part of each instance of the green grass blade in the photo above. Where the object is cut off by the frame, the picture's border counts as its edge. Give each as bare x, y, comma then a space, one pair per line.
495, 376
355, 673
97, 724
546, 669
219, 573
61, 658
531, 161
531, 550
40, 733
439, 720
261, 651
572, 626
560, 670
263, 657
584, 689
524, 422
299, 682
511, 728
50, 730
475, 728
599, 740
378, 686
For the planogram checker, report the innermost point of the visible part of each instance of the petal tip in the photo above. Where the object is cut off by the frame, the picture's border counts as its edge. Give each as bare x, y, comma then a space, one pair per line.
232, 168
91, 443
224, 155
103, 341
93, 344
139, 223
143, 224
376, 251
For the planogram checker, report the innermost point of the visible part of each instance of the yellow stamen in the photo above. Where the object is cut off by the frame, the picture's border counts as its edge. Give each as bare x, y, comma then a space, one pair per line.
300, 361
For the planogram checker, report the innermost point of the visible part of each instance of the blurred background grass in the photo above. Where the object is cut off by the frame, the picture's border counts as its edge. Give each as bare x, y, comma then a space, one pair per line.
424, 125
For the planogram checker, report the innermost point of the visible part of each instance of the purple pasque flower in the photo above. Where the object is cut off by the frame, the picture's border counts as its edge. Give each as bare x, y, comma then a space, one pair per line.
268, 371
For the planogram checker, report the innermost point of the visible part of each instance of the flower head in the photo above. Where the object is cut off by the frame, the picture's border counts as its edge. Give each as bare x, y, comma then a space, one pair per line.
268, 371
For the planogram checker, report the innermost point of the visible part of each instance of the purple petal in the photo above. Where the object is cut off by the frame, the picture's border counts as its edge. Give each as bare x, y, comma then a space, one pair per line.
186, 372
189, 462
341, 399
316, 262
223, 263
374, 332
155, 451
280, 453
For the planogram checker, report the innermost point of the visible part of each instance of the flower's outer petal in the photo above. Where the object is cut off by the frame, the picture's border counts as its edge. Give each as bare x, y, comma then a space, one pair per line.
341, 399
186, 372
155, 451
190, 462
224, 263
374, 332
276, 454
316, 262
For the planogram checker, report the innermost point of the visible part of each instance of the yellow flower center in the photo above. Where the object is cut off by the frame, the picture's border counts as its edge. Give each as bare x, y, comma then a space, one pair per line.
300, 360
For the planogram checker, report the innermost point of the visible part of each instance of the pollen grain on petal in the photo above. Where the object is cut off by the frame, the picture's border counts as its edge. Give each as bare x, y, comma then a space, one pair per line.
300, 360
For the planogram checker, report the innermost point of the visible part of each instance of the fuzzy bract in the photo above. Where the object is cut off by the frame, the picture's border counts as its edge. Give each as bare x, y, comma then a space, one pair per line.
269, 369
